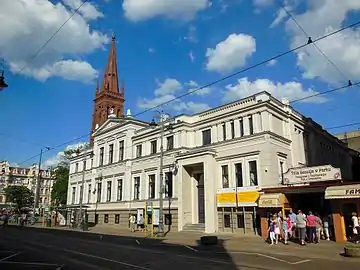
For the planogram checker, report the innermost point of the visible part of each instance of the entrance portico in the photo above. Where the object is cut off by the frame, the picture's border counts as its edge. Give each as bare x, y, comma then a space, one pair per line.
197, 190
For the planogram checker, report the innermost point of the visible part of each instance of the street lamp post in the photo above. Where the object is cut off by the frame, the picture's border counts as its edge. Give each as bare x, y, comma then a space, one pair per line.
161, 192
81, 217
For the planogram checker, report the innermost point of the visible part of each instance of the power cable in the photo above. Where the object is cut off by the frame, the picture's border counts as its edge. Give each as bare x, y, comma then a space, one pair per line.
53, 35
232, 75
342, 126
315, 45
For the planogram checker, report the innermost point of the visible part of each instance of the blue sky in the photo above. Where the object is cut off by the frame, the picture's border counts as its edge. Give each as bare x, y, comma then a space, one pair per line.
164, 50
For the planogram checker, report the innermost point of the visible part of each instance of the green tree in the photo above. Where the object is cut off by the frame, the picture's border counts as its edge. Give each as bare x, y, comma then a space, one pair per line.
60, 186
20, 195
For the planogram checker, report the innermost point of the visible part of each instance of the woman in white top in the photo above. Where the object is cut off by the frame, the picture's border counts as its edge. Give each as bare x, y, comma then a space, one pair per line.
356, 227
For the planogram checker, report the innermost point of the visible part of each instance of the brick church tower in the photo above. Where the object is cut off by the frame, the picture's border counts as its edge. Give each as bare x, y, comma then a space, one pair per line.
109, 96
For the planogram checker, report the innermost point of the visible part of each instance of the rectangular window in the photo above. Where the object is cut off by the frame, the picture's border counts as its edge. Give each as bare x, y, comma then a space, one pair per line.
224, 131
121, 150
73, 195
206, 134
101, 160
92, 162
240, 221
138, 150
225, 176
117, 219
170, 143
251, 125
106, 218
241, 122
239, 175
99, 187
232, 125
119, 190
153, 147
253, 173
108, 191
152, 186
111, 153
84, 165
89, 193
76, 167
168, 184
137, 188
227, 221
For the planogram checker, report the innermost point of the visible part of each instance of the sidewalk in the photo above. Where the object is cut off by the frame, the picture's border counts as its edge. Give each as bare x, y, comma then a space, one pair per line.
231, 243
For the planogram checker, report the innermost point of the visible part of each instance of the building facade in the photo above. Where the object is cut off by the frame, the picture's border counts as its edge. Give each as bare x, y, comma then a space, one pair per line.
27, 177
246, 145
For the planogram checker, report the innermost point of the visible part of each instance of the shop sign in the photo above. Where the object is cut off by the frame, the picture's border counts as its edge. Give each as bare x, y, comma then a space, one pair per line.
229, 197
311, 174
352, 191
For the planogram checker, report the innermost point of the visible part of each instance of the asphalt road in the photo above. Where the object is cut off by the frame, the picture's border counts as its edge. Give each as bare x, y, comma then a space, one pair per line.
30, 248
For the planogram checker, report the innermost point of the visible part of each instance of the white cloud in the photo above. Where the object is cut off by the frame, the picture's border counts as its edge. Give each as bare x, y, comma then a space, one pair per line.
88, 10
194, 86
192, 34
343, 48
291, 90
166, 92
231, 53
60, 157
32, 22
262, 3
168, 87
192, 56
272, 63
139, 10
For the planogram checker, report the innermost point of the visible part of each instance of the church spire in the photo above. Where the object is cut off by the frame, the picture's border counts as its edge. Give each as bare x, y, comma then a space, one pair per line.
111, 82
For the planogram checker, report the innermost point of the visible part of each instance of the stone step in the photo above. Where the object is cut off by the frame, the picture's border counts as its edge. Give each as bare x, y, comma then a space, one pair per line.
194, 228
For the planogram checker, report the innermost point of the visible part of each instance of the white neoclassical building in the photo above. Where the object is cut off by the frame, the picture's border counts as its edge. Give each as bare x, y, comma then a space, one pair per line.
245, 145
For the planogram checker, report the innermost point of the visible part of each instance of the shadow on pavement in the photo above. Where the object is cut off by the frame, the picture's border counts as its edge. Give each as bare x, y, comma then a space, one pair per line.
75, 249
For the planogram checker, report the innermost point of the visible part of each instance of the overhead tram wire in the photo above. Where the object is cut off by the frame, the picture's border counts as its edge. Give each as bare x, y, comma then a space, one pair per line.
347, 125
315, 45
53, 35
234, 74
254, 66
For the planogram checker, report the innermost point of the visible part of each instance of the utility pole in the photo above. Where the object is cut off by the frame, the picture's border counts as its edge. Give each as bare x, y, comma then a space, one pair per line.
38, 180
161, 200
161, 231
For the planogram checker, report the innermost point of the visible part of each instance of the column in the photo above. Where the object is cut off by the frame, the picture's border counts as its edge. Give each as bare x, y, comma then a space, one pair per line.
214, 134
220, 132
246, 125
237, 128
228, 130
265, 121
210, 195
179, 180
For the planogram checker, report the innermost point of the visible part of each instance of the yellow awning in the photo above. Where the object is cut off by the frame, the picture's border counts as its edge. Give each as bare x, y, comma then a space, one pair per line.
246, 198
271, 200
343, 192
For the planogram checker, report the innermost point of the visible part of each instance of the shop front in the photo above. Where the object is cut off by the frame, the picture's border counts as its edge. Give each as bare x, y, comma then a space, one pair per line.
237, 210
345, 199
270, 204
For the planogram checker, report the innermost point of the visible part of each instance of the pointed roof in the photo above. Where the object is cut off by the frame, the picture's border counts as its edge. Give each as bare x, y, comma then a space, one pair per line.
111, 82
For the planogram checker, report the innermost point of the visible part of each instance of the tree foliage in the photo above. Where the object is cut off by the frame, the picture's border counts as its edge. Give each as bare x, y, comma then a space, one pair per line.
20, 195
60, 186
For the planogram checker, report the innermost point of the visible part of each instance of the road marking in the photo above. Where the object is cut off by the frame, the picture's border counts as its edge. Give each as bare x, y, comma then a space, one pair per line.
137, 241
193, 249
60, 267
105, 259
89, 255
29, 263
10, 256
205, 259
266, 256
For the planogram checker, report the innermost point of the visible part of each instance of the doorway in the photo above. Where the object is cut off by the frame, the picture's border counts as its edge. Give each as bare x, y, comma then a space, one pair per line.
348, 209
199, 177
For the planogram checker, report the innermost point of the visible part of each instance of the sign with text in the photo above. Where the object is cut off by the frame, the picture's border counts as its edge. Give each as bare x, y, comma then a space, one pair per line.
311, 174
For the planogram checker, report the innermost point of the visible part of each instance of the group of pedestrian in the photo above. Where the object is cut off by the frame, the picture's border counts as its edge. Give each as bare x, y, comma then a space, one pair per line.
136, 223
301, 227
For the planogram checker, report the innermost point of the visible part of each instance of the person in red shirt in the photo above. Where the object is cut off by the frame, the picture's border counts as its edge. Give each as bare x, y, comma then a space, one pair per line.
311, 225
